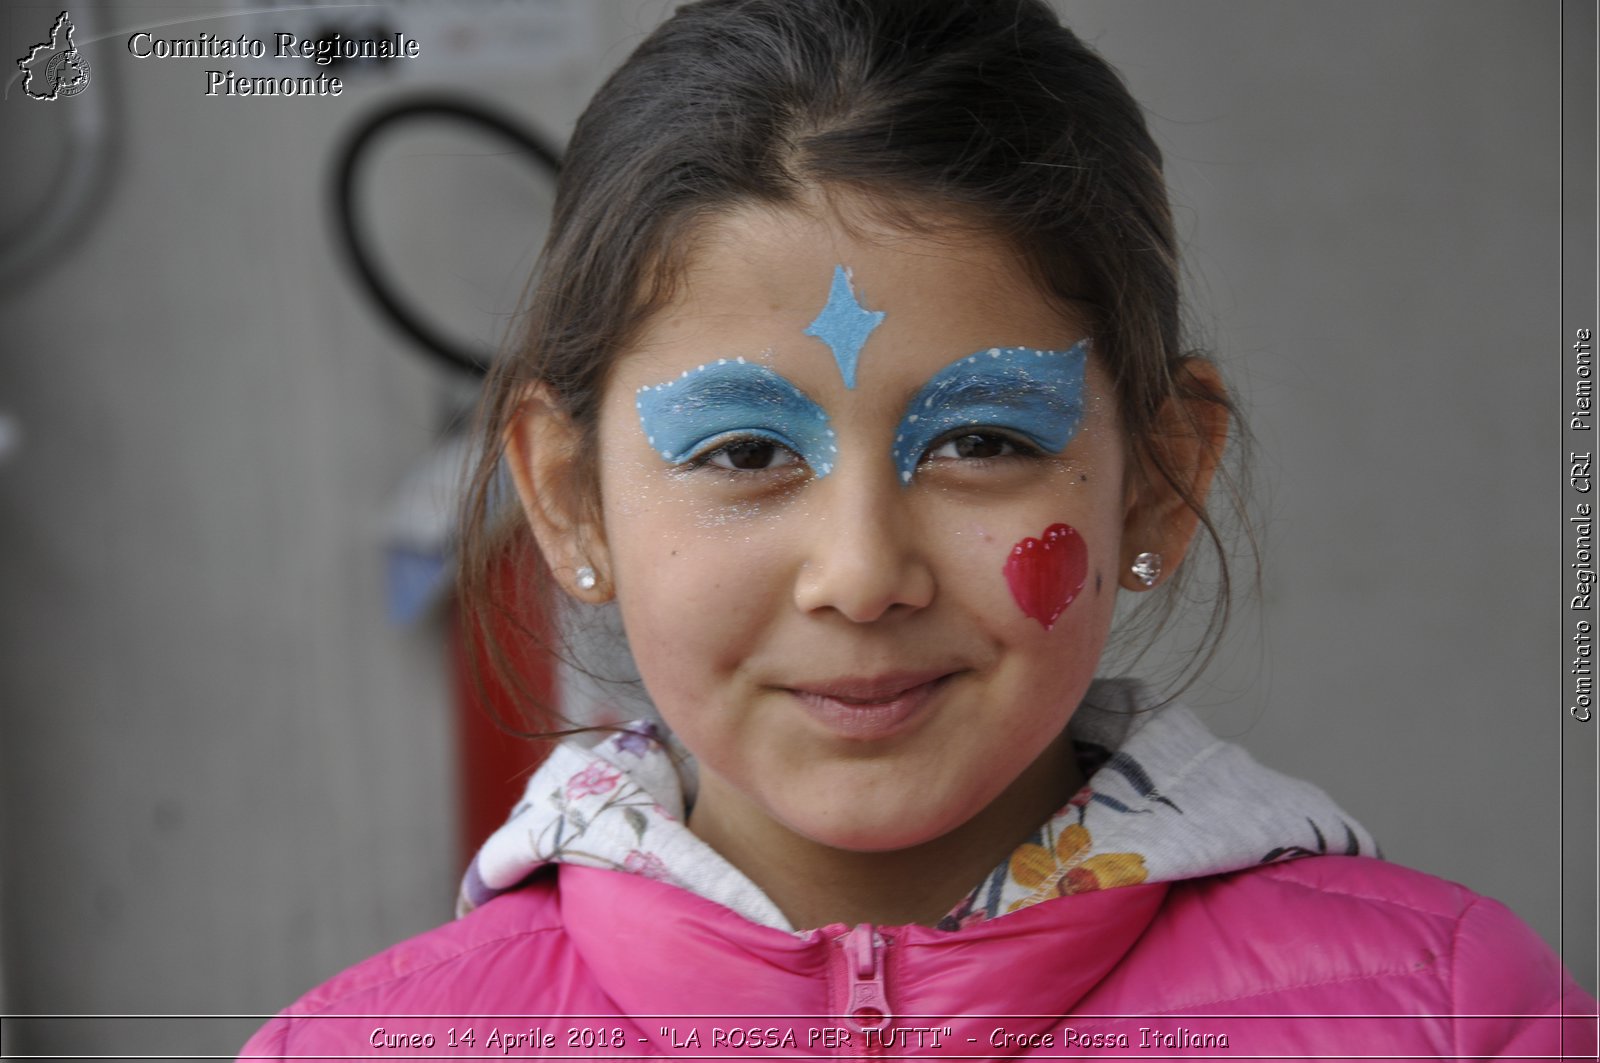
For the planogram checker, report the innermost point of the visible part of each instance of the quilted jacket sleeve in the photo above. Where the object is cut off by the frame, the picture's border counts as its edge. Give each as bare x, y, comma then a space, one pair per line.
1510, 993
267, 1044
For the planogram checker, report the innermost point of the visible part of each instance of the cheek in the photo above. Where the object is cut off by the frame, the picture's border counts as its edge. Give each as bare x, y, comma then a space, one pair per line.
702, 582
694, 598
1046, 573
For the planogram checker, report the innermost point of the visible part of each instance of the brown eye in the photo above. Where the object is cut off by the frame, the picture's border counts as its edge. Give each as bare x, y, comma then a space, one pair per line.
748, 455
974, 445
980, 446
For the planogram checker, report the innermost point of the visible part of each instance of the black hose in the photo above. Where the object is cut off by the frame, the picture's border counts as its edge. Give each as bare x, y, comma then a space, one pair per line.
357, 250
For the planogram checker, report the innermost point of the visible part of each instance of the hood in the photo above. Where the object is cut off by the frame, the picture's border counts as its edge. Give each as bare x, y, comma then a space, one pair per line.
1165, 801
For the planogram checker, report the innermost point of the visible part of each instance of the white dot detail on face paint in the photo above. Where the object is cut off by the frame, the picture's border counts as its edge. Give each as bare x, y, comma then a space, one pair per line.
912, 419
905, 477
994, 352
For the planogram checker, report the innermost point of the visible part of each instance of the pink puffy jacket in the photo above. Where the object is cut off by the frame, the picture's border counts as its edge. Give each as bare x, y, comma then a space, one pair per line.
1327, 957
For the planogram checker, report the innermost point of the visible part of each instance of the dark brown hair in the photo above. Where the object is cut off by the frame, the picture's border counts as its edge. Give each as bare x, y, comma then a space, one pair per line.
988, 111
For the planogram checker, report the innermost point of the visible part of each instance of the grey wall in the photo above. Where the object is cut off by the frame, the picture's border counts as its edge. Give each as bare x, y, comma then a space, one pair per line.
225, 776
1371, 199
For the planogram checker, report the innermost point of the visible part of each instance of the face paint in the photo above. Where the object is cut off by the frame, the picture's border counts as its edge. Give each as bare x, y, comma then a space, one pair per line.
844, 325
1036, 394
1046, 574
731, 400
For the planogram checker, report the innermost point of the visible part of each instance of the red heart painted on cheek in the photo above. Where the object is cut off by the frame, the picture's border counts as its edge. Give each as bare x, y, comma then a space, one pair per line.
1046, 573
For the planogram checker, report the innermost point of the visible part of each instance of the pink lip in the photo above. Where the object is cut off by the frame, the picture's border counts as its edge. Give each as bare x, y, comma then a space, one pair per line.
870, 708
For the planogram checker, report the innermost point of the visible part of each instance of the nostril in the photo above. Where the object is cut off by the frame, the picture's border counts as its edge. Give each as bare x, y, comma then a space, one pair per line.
863, 561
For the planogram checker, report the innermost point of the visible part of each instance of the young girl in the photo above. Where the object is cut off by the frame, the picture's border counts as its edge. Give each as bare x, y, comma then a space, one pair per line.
854, 379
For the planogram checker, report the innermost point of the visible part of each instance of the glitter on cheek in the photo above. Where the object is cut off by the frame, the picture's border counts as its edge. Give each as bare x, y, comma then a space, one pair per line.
725, 516
1046, 574
977, 531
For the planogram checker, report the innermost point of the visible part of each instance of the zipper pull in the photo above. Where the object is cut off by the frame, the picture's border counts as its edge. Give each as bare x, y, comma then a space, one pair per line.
867, 1005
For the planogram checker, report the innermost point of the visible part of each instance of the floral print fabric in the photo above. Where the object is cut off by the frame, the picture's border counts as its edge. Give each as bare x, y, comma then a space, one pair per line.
1165, 800
620, 805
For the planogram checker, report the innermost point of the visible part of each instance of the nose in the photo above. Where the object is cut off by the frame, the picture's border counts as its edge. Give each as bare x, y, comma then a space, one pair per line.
865, 557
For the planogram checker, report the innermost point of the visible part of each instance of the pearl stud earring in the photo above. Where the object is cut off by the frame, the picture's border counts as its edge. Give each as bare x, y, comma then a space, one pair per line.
586, 578
1146, 568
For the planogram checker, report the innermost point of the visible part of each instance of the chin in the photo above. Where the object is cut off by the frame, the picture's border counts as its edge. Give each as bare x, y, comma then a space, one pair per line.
881, 832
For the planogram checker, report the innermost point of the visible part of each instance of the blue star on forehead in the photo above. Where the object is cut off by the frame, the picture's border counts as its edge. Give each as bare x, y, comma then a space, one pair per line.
844, 325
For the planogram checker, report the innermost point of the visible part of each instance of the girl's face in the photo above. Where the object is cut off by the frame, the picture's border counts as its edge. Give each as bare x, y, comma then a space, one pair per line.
867, 609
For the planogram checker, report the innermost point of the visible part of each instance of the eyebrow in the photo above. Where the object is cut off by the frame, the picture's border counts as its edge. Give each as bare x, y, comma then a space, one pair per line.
728, 395
1006, 390
730, 383
1026, 389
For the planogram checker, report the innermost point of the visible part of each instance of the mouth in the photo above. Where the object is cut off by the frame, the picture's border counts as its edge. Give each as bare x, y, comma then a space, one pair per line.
870, 708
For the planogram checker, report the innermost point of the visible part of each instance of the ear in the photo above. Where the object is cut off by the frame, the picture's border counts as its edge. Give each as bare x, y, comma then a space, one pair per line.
544, 452
1190, 432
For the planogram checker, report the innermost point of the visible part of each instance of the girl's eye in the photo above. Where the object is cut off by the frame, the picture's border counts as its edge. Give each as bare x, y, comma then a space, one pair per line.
751, 455
969, 445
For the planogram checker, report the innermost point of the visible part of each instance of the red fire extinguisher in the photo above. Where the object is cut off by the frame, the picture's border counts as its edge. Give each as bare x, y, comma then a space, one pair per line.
493, 762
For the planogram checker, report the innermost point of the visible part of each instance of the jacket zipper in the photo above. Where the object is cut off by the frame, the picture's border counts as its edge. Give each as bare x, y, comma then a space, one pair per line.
866, 1001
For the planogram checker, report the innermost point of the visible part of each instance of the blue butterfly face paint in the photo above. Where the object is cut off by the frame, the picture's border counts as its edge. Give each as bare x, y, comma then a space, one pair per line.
1033, 394
844, 325
732, 400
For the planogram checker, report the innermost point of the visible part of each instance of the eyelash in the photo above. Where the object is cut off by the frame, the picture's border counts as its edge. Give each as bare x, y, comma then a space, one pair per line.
1020, 449
703, 458
1020, 446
